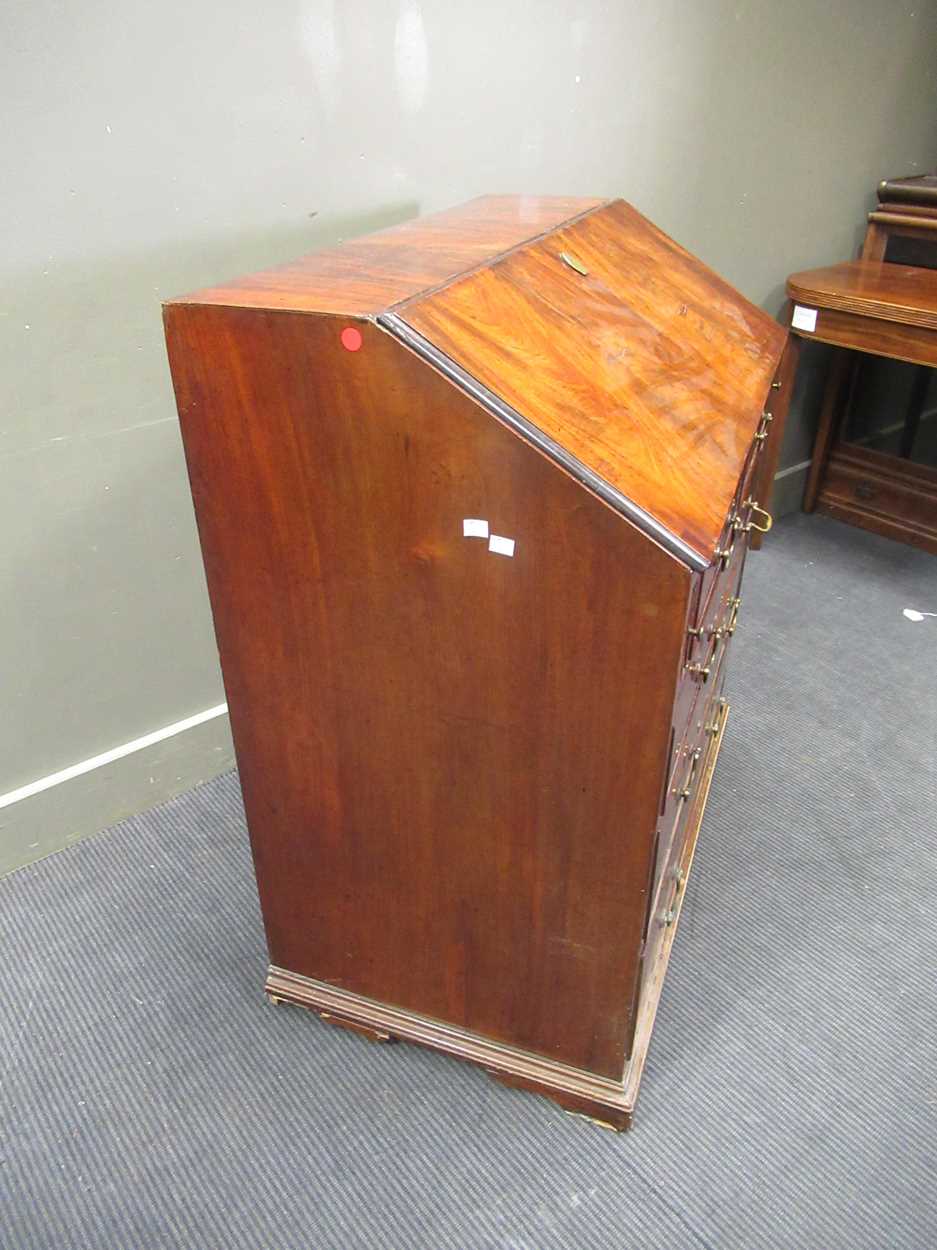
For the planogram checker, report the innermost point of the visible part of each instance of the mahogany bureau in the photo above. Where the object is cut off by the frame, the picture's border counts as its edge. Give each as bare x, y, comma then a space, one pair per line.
474, 496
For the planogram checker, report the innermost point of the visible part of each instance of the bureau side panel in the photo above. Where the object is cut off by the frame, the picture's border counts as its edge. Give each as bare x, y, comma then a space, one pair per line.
451, 758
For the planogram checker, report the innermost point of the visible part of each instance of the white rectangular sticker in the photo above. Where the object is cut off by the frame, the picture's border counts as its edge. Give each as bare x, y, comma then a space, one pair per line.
472, 527
501, 546
804, 318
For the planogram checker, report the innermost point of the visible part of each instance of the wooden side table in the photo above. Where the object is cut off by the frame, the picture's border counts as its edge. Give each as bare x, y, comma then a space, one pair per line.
883, 310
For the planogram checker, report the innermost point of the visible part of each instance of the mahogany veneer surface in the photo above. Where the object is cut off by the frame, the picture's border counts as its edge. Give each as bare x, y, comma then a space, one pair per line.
902, 293
370, 274
474, 781
649, 368
416, 718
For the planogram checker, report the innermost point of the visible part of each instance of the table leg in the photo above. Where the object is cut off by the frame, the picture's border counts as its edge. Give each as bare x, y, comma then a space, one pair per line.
838, 382
912, 417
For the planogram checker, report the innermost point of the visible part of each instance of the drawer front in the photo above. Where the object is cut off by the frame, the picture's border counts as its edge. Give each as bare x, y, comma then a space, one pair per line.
686, 768
720, 591
699, 701
694, 698
673, 851
718, 616
745, 517
753, 460
776, 406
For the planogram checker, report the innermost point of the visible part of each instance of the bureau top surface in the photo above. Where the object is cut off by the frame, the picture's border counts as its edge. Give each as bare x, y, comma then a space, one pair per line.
626, 351
871, 288
368, 275
631, 356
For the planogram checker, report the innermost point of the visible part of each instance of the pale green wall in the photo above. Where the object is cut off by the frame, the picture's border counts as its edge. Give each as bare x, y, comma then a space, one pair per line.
150, 148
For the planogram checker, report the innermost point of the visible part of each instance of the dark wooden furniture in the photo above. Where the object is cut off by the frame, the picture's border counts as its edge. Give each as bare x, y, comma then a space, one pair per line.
907, 208
884, 310
474, 496
877, 308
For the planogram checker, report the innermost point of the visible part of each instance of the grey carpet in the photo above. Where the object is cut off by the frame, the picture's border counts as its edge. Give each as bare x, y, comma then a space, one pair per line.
151, 1098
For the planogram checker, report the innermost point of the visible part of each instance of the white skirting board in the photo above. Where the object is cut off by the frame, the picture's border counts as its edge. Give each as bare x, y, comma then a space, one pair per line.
800, 469
57, 810
108, 757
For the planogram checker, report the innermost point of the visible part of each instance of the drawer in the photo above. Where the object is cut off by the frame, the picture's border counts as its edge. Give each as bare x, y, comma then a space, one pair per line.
708, 644
753, 460
719, 609
687, 766
692, 733
760, 442
731, 557
744, 516
718, 623
675, 851
694, 697
699, 688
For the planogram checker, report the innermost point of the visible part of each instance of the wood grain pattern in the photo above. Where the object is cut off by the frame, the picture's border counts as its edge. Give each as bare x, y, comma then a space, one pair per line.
920, 226
582, 1092
913, 343
888, 210
881, 493
649, 368
610, 1101
881, 309
509, 416
367, 275
840, 374
904, 294
431, 737
474, 782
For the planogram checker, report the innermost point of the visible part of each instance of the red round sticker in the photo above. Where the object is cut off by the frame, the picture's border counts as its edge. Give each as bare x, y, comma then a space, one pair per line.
351, 339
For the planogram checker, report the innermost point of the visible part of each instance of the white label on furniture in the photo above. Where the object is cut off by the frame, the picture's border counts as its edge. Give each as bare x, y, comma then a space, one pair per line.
804, 318
501, 546
474, 528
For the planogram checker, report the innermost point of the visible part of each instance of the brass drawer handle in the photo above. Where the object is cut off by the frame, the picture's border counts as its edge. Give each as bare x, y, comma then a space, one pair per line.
762, 529
735, 603
669, 915
719, 633
724, 554
705, 671
687, 790
713, 729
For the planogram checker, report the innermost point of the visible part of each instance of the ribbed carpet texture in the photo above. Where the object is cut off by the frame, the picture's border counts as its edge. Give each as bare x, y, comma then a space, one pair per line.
151, 1097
